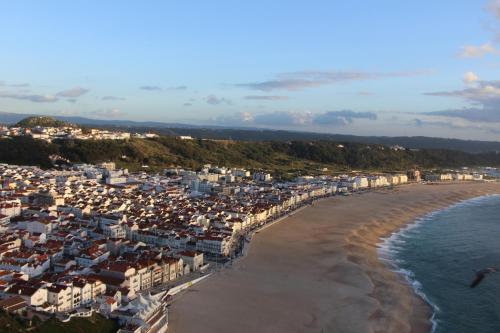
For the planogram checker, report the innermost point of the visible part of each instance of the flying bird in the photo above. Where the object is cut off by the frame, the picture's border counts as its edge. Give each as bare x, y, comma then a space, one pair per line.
481, 274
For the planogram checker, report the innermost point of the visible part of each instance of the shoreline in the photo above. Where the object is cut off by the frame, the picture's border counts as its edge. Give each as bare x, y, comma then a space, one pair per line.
424, 307
281, 285
388, 253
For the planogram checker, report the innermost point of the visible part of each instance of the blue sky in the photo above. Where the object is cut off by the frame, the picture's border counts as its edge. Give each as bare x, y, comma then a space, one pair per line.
358, 67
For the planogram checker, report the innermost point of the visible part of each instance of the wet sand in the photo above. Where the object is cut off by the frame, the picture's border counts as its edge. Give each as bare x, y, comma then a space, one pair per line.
319, 270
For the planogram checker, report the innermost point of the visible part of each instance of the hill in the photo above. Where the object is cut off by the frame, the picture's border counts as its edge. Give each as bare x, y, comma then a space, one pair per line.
43, 121
254, 134
415, 142
284, 159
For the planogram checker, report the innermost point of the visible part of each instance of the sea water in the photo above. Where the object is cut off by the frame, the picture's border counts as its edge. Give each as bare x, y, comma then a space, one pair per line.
439, 254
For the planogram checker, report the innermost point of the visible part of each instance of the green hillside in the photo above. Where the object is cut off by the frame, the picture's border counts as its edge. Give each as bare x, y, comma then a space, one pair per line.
43, 121
283, 158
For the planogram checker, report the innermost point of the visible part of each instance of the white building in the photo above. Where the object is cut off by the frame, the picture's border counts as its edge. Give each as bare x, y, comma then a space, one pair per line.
193, 259
262, 177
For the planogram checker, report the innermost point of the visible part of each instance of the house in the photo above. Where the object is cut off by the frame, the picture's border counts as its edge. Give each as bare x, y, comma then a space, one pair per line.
33, 295
215, 245
108, 305
91, 257
120, 274
88, 290
14, 304
61, 297
193, 259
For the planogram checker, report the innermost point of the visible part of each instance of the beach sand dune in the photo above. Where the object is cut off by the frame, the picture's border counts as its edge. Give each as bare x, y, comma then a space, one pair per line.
319, 270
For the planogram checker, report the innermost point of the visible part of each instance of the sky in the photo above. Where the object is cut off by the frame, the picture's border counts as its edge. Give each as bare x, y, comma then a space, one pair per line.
385, 67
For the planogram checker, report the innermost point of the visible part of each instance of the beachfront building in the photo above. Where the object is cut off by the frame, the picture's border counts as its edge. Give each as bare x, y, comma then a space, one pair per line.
392, 179
361, 182
461, 176
438, 177
414, 175
213, 245
88, 240
193, 259
377, 181
403, 179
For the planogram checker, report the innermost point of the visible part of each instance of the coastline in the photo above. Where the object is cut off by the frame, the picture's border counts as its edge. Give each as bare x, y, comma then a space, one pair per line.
390, 248
320, 270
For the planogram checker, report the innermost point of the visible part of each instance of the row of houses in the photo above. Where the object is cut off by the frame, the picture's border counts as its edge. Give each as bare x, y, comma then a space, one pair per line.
48, 133
72, 240
443, 177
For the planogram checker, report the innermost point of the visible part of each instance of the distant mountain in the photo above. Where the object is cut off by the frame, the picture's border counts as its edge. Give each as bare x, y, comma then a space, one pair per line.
255, 134
13, 118
121, 123
8, 118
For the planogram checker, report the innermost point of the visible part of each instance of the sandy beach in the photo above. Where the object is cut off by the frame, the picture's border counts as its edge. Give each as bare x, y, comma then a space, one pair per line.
319, 270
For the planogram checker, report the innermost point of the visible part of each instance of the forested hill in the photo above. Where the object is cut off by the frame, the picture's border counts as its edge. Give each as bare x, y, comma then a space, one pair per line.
285, 158
412, 142
254, 134
34, 121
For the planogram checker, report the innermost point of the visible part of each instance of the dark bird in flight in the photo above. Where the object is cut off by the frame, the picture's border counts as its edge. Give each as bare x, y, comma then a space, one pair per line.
481, 274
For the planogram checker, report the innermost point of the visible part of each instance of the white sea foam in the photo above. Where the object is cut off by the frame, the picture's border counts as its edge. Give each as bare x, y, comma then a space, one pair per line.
390, 246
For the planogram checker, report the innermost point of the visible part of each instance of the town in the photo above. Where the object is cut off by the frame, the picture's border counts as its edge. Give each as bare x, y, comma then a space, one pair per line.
97, 239
49, 133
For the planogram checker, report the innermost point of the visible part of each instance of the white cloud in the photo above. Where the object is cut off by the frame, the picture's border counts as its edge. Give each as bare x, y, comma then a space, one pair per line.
35, 98
295, 81
238, 118
295, 118
14, 85
150, 88
112, 98
112, 113
473, 51
470, 77
494, 7
483, 95
343, 117
73, 93
214, 100
267, 98
479, 51
279, 118
484, 92
177, 88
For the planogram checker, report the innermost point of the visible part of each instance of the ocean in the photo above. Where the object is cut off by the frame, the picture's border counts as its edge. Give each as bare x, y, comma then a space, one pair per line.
438, 255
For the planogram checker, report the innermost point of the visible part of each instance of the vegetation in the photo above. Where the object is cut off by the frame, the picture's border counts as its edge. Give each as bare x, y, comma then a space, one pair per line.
283, 158
43, 121
253, 134
95, 324
414, 142
26, 151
